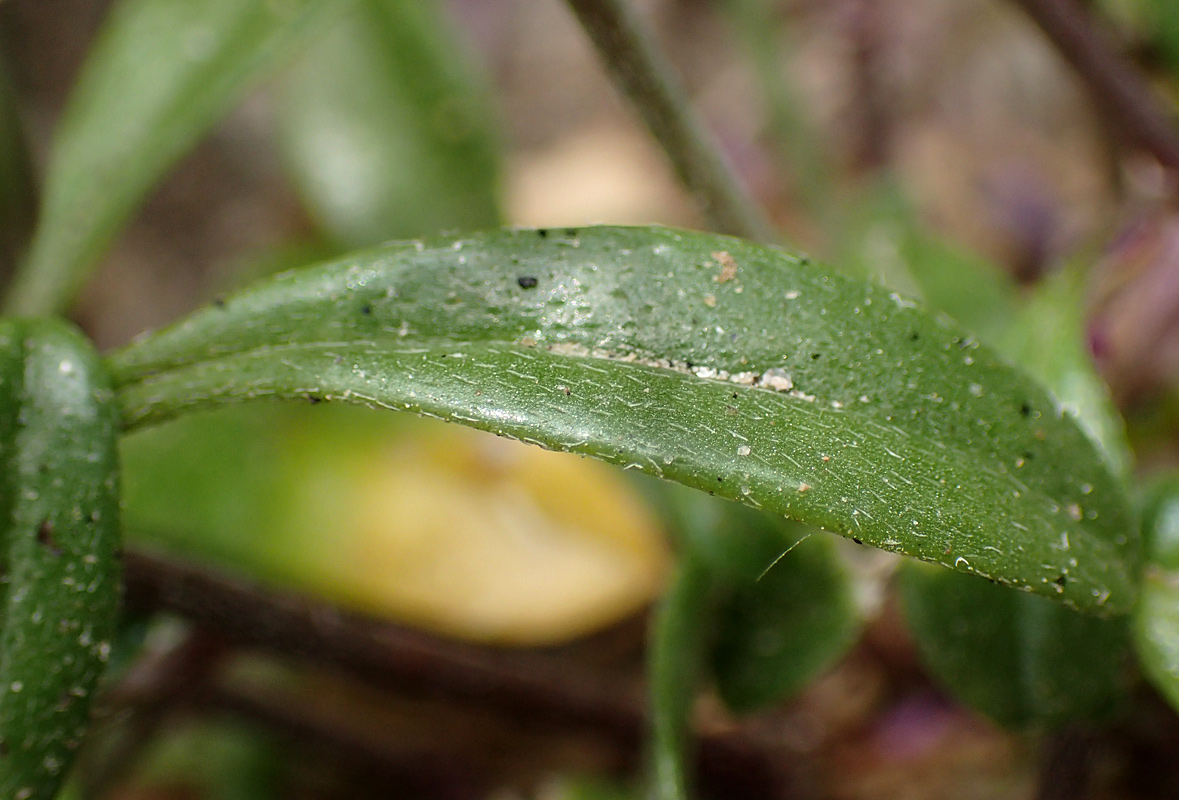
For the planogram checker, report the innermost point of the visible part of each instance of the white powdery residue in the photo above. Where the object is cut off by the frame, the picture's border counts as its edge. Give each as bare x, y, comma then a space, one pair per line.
743, 450
792, 294
775, 378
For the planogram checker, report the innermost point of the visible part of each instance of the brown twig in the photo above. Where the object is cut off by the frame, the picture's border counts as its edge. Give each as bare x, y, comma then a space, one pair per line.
536, 690
642, 74
1114, 82
132, 711
1066, 768
527, 684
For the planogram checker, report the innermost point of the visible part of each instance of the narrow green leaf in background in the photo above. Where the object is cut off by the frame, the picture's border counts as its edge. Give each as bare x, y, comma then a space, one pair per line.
386, 127
160, 75
1019, 659
59, 506
706, 360
1156, 618
1050, 340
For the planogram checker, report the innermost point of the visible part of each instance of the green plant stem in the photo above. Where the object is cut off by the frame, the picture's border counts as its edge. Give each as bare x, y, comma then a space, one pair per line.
678, 649
643, 75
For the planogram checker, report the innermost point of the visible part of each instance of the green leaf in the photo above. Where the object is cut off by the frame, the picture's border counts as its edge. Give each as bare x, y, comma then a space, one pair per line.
386, 129
1050, 340
706, 360
1019, 659
1156, 617
59, 505
787, 622
784, 603
1016, 658
160, 75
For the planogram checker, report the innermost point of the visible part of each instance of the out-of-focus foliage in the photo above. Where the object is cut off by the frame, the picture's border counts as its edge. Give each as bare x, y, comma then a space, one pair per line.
386, 128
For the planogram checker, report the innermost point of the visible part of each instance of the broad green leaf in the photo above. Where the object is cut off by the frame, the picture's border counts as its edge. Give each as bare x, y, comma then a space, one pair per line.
787, 620
784, 604
160, 75
385, 127
1156, 617
1020, 659
706, 360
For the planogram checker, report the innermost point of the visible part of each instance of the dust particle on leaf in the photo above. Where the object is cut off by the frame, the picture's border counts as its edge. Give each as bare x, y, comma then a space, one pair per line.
728, 266
527, 282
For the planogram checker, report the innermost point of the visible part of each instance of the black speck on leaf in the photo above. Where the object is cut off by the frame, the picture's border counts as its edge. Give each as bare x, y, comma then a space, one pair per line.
857, 541
1025, 409
527, 282
816, 356
542, 232
1061, 580
219, 303
366, 310
45, 537
313, 399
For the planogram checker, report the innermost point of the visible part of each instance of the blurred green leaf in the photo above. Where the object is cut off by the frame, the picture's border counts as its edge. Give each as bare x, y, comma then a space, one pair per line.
1021, 660
885, 241
1156, 617
722, 365
784, 609
788, 621
387, 129
161, 73
212, 760
1161, 23
1050, 340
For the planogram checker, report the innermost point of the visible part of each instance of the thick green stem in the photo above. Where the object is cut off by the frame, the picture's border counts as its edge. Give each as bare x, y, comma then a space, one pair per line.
644, 76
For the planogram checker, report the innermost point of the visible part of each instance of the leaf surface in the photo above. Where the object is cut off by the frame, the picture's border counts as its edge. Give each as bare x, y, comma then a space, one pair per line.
726, 366
59, 536
1022, 660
